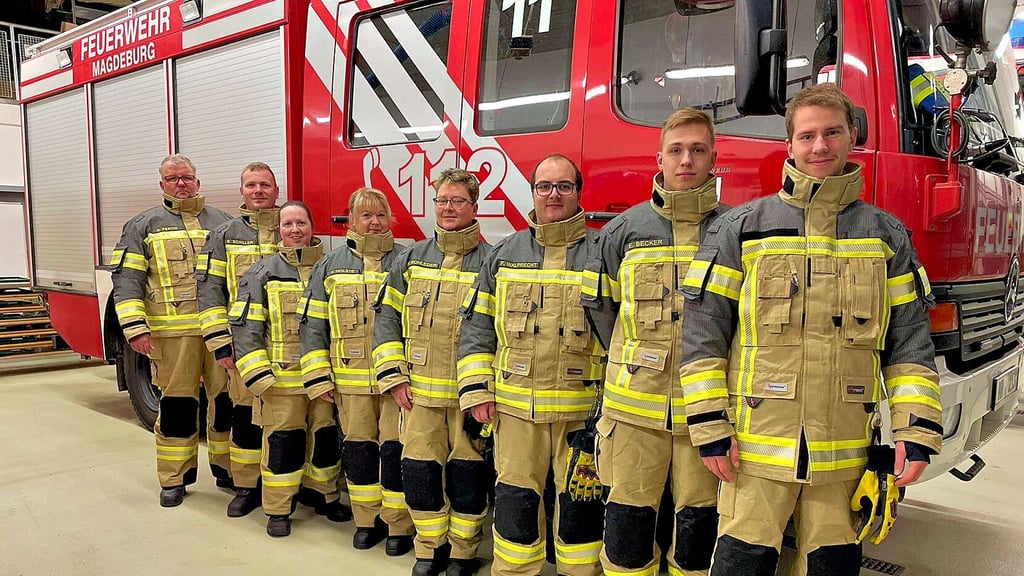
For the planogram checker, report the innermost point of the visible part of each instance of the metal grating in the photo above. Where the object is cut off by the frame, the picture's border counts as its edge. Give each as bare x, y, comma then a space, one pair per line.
26, 41
881, 566
8, 81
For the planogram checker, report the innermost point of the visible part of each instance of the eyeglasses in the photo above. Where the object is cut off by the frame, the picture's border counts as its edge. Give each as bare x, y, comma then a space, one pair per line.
546, 188
175, 179
455, 202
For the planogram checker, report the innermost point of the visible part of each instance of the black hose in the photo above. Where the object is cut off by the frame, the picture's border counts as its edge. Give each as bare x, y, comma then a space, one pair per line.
941, 130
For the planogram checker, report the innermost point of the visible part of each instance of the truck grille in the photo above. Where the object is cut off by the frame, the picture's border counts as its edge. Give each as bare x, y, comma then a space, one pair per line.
983, 326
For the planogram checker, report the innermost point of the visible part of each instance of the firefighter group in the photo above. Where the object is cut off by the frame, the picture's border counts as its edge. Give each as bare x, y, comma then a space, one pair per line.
735, 359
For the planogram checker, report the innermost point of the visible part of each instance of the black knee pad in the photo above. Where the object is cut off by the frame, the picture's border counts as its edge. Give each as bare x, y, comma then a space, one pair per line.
468, 483
326, 447
837, 560
515, 514
734, 556
179, 416
629, 535
696, 532
361, 461
286, 451
580, 521
391, 465
190, 476
424, 485
222, 412
244, 433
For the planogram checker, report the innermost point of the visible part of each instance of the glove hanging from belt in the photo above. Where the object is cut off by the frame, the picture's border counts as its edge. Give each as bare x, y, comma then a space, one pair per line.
877, 496
581, 480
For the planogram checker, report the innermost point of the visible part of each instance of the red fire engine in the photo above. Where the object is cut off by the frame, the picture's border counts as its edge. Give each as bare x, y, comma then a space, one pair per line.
337, 94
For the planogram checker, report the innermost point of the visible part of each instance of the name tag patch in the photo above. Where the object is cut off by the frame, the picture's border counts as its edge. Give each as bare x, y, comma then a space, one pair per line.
574, 371
850, 389
650, 357
776, 387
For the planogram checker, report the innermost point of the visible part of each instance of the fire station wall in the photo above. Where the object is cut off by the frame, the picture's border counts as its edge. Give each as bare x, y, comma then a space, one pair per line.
59, 192
130, 116
230, 112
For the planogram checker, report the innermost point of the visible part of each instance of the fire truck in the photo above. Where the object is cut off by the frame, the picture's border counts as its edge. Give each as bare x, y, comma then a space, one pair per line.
386, 93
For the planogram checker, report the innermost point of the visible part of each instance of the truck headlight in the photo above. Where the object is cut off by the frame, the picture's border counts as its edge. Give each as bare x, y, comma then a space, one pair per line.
951, 421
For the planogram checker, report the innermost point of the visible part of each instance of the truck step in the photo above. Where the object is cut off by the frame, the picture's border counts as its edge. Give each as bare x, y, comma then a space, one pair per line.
25, 329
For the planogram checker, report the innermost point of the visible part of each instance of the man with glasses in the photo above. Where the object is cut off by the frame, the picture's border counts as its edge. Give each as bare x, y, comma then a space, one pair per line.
155, 296
445, 477
530, 366
631, 292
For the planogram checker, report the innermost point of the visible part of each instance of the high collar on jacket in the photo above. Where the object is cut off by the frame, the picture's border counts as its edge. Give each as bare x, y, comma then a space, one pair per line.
690, 205
192, 206
262, 219
561, 233
800, 190
459, 242
373, 246
302, 256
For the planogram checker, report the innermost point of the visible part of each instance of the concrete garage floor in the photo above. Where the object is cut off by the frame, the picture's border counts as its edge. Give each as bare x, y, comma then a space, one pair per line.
78, 495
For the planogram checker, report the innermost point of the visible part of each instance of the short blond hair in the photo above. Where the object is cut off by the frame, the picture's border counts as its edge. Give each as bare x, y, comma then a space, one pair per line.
826, 95
257, 167
685, 117
461, 177
176, 160
370, 198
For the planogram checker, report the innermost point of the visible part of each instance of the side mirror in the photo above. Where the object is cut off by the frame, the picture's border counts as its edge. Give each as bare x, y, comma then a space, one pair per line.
977, 24
760, 57
860, 122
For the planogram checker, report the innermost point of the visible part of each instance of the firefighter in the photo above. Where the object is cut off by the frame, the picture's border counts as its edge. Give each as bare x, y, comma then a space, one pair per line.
633, 302
800, 307
229, 252
446, 477
529, 362
336, 329
300, 434
153, 268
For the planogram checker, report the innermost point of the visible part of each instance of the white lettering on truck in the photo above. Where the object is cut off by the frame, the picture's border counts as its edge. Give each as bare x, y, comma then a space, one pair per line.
125, 33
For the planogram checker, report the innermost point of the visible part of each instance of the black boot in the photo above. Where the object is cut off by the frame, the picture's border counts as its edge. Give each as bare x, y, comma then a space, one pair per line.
334, 511
366, 538
425, 567
279, 526
246, 500
398, 545
171, 497
226, 483
463, 567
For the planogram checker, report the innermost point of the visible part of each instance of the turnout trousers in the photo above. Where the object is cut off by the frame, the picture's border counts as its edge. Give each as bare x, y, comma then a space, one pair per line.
446, 481
300, 448
246, 437
754, 513
178, 364
372, 459
636, 462
524, 452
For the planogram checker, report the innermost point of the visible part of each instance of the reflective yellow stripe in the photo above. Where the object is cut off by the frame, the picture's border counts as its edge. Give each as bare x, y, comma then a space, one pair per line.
392, 500
704, 385
251, 362
588, 553
218, 448
485, 304
591, 284
131, 307
329, 474
313, 308
285, 378
516, 553
392, 351
924, 280
216, 267
445, 275
560, 277
369, 493
353, 377
431, 528
434, 387
901, 289
475, 365
245, 455
176, 453
633, 402
213, 317
829, 456
256, 312
393, 298
816, 245
914, 390
135, 262
180, 322
464, 527
315, 359
766, 449
281, 480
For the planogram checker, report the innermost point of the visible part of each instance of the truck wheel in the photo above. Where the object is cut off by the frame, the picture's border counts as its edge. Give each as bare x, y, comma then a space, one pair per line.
145, 397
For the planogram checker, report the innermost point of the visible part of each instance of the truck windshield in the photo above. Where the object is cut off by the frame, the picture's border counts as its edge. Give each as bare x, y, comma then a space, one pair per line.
676, 53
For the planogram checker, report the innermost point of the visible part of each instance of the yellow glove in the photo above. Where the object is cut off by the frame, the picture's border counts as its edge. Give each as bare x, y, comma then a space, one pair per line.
581, 481
877, 496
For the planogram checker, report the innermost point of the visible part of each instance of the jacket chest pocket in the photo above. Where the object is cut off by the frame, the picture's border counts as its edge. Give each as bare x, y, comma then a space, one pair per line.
240, 263
288, 305
519, 317
174, 262
349, 305
651, 307
863, 283
419, 304
779, 307
574, 327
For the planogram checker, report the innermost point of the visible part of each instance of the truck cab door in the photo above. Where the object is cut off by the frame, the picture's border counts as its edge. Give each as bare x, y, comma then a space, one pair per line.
399, 107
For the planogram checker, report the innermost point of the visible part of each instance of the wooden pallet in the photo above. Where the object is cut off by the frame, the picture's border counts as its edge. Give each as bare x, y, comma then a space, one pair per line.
25, 329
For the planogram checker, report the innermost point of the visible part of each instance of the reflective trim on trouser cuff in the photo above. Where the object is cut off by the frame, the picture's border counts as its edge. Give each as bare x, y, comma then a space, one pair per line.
432, 527
177, 453
587, 553
366, 494
281, 480
465, 528
649, 571
517, 553
218, 448
245, 455
329, 474
393, 500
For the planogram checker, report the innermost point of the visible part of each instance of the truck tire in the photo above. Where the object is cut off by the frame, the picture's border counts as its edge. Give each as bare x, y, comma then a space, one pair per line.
133, 368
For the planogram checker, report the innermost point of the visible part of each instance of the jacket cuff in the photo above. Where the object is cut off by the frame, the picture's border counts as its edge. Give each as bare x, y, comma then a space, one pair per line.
261, 385
135, 330
223, 352
391, 381
715, 449
917, 453
473, 398
919, 425
713, 431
